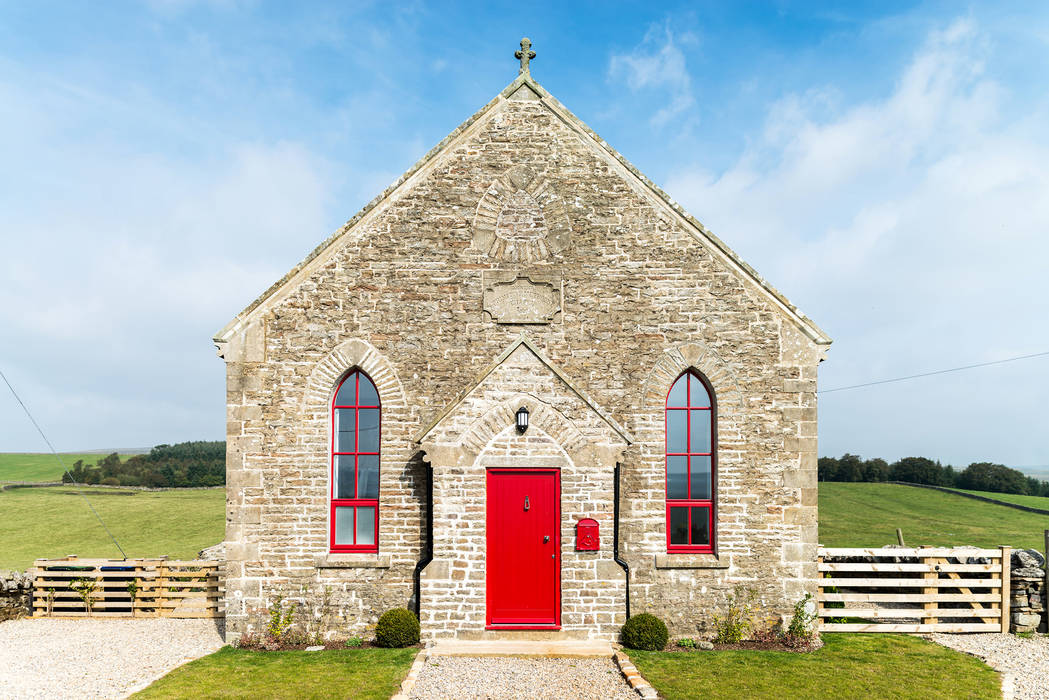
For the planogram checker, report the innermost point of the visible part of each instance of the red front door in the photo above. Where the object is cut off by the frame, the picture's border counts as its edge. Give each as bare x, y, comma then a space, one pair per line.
524, 548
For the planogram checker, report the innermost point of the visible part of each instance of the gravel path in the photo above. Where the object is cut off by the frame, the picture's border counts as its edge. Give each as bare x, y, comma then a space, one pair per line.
98, 658
477, 678
1026, 659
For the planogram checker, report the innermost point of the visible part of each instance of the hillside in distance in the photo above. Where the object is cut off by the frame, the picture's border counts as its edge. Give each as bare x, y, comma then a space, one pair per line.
867, 515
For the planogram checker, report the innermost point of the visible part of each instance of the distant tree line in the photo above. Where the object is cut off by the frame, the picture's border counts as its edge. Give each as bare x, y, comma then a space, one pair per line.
182, 465
978, 476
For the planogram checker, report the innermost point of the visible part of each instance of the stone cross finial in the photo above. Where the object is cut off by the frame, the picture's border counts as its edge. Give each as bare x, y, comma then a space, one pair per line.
525, 55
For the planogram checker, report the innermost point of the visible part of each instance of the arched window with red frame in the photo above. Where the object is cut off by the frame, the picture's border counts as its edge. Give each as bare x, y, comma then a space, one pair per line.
691, 452
355, 426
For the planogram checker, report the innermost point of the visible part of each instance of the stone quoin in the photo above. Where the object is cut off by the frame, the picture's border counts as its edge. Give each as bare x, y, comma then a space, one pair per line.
375, 459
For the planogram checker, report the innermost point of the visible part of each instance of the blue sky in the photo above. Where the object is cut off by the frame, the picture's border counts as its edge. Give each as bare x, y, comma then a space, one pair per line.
884, 165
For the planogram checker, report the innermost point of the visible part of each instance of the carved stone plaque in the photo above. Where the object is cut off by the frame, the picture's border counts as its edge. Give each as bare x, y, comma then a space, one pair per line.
517, 297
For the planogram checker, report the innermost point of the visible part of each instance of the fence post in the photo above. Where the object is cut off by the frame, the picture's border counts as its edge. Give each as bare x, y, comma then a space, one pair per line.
819, 583
38, 585
930, 575
1006, 587
161, 599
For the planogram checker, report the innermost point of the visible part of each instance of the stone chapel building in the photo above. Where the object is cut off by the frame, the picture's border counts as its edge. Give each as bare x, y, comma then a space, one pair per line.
521, 392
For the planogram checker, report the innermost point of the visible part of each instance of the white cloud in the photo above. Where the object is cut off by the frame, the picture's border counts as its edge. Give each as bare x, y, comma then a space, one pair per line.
657, 63
149, 198
176, 239
913, 228
120, 262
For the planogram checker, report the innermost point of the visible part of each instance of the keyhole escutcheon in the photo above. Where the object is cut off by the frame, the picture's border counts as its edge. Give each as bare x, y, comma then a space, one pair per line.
526, 507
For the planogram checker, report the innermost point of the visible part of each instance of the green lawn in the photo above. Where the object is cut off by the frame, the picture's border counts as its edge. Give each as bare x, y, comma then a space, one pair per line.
1030, 501
848, 666
361, 674
55, 521
25, 466
867, 515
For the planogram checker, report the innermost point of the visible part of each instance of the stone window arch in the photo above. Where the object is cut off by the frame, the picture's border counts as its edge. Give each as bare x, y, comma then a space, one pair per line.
356, 419
691, 463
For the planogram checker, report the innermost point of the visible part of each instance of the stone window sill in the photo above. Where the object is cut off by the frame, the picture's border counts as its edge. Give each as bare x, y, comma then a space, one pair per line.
690, 561
353, 561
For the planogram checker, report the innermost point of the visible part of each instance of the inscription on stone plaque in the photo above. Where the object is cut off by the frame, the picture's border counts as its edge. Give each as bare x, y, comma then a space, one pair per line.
521, 298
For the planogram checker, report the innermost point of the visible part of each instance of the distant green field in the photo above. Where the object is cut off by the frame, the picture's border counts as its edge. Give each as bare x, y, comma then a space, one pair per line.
26, 466
1030, 501
55, 521
867, 515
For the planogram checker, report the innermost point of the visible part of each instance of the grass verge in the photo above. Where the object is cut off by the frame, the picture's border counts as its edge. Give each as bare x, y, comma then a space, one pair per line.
54, 521
848, 666
362, 674
867, 515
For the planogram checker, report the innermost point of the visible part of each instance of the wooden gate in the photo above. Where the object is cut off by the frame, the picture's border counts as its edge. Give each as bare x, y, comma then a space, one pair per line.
73, 587
925, 589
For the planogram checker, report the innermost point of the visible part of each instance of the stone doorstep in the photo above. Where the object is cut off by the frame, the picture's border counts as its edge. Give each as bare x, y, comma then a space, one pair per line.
539, 649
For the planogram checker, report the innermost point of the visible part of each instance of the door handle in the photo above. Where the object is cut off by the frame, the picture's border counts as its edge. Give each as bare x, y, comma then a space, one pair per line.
526, 503
546, 538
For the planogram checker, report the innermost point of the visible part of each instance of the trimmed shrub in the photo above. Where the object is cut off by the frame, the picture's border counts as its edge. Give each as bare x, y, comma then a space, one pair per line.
397, 628
646, 632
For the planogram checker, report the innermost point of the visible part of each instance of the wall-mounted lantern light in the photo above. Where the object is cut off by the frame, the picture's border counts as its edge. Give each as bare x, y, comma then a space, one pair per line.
522, 419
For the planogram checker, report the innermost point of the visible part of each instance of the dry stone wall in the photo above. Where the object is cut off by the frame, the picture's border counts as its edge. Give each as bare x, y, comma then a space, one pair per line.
1027, 580
16, 590
402, 295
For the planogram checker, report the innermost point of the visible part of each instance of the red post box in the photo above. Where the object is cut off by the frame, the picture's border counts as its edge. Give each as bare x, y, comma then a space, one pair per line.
587, 536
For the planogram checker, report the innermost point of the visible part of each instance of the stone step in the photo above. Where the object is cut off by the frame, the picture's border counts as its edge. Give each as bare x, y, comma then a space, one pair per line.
536, 635
532, 648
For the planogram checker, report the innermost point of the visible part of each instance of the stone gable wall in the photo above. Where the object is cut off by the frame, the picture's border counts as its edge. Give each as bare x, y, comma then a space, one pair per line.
642, 298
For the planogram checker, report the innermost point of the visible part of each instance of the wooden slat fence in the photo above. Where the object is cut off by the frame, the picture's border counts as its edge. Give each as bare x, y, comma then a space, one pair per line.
924, 589
127, 588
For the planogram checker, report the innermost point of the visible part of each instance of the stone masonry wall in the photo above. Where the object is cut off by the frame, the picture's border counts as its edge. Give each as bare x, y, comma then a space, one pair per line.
278, 502
640, 299
1027, 607
16, 590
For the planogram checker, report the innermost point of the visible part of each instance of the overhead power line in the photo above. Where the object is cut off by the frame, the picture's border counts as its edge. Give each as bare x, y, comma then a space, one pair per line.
64, 469
939, 371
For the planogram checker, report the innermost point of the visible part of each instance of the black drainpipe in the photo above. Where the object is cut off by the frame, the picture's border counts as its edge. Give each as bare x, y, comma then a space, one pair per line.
615, 539
427, 556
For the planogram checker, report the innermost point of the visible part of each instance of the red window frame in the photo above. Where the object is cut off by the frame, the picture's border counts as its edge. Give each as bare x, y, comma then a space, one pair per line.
689, 503
353, 376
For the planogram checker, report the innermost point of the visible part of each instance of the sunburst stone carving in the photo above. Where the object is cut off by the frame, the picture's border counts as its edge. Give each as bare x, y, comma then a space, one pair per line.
521, 218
